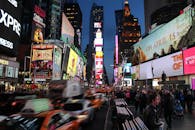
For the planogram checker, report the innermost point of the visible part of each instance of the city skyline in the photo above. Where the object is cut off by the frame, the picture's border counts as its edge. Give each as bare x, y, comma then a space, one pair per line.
137, 10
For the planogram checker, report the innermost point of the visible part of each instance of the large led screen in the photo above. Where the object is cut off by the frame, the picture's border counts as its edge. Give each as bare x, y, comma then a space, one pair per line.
189, 61
72, 63
67, 31
38, 25
172, 65
146, 71
10, 26
135, 72
42, 61
165, 39
57, 61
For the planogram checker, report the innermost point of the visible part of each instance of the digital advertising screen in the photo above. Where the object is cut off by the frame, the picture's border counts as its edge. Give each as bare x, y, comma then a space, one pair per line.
67, 31
38, 25
57, 60
189, 61
42, 61
146, 71
135, 72
165, 39
172, 65
10, 26
72, 63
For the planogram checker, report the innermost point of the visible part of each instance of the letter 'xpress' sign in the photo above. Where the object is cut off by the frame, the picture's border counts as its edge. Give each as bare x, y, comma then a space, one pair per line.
10, 26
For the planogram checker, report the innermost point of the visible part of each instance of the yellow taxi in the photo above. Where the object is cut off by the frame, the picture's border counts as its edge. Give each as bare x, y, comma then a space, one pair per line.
40, 118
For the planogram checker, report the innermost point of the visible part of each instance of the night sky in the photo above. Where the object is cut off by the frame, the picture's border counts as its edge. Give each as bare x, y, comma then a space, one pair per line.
137, 10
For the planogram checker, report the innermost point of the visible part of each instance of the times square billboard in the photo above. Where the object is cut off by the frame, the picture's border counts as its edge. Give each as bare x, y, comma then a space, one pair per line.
163, 38
171, 64
10, 26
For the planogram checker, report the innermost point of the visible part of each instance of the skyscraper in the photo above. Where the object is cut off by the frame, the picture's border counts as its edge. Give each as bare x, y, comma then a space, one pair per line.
129, 32
96, 22
74, 15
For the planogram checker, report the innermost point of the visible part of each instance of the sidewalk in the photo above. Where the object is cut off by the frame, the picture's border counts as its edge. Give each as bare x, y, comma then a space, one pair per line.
188, 123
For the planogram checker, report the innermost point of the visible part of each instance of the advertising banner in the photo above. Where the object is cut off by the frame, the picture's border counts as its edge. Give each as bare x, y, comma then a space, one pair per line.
164, 40
146, 71
193, 83
10, 26
172, 65
42, 69
57, 60
42, 54
135, 72
80, 66
99, 54
189, 61
37, 32
72, 61
38, 25
42, 61
67, 31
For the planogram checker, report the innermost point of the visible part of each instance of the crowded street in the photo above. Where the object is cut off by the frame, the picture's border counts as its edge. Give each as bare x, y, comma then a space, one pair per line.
97, 65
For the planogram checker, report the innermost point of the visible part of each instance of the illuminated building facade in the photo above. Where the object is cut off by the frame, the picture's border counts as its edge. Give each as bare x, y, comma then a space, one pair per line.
129, 33
96, 21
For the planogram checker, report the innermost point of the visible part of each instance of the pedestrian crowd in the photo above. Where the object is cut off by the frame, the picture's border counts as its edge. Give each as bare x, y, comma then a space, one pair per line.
154, 105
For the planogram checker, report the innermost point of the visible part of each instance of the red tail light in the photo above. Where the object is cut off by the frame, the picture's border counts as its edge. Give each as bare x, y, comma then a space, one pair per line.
14, 103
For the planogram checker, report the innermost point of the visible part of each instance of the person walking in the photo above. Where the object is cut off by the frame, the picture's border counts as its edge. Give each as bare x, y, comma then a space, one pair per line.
189, 101
168, 107
151, 116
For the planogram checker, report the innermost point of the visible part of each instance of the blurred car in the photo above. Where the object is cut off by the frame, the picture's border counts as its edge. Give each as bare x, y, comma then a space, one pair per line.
11, 103
38, 114
96, 101
102, 96
47, 120
81, 108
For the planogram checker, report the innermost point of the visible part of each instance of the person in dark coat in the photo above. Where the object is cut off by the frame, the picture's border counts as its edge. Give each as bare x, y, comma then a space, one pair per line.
150, 115
168, 107
189, 101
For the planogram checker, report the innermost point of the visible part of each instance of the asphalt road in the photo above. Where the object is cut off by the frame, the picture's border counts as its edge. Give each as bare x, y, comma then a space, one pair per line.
99, 120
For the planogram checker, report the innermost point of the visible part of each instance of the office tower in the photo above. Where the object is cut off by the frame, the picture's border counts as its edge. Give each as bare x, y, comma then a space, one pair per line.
74, 15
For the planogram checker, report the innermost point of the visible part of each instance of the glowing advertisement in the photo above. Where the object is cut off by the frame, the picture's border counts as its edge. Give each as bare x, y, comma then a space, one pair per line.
135, 72
38, 25
42, 54
127, 68
42, 61
193, 83
98, 48
67, 31
172, 65
116, 49
99, 64
146, 71
189, 61
98, 42
165, 39
80, 66
10, 26
57, 60
97, 25
72, 61
98, 34
99, 54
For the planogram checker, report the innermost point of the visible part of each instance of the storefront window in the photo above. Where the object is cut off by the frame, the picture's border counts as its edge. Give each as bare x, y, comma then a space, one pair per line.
9, 71
1, 70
